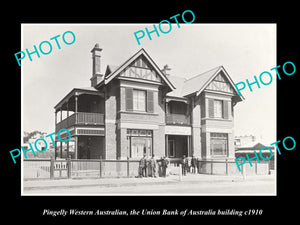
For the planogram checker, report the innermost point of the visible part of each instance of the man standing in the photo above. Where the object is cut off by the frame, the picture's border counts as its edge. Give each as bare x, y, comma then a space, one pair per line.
153, 166
142, 167
164, 165
194, 164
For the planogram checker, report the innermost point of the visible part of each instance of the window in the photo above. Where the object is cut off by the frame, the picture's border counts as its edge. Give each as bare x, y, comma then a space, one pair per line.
218, 106
139, 142
139, 100
218, 144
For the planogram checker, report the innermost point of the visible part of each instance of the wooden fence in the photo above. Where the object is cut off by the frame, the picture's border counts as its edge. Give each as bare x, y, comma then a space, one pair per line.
98, 168
78, 168
230, 167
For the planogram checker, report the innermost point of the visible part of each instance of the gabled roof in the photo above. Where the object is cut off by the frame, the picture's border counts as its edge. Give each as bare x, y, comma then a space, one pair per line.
178, 82
109, 77
197, 84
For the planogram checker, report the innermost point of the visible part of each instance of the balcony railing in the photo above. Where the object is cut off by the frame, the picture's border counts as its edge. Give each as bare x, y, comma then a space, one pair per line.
177, 119
81, 118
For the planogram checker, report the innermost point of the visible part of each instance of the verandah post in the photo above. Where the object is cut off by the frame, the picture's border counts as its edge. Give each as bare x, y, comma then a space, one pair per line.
255, 167
76, 109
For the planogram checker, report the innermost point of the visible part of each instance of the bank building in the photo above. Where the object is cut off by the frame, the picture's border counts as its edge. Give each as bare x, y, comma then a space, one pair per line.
137, 108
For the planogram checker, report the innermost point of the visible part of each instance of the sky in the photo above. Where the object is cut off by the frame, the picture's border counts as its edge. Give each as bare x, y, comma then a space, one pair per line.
244, 50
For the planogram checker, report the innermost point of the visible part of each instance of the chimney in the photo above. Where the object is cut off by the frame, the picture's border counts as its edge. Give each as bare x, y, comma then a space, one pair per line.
165, 69
97, 76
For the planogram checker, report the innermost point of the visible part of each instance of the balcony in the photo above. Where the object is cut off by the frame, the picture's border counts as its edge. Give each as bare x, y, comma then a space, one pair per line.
81, 118
177, 119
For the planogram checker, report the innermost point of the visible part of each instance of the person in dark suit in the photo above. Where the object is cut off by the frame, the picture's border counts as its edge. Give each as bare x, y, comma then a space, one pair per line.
164, 165
194, 164
143, 167
184, 165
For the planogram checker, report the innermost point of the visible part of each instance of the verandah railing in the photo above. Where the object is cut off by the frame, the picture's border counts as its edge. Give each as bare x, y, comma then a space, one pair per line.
178, 119
86, 118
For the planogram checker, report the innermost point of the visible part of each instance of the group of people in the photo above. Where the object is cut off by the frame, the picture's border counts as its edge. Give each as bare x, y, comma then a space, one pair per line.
150, 167
188, 165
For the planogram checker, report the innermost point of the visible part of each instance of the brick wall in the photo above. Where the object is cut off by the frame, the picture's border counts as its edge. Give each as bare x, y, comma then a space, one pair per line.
196, 126
118, 120
111, 97
159, 141
216, 125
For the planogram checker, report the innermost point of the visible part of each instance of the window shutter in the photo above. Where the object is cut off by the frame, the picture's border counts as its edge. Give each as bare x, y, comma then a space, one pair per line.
211, 108
225, 109
150, 101
129, 99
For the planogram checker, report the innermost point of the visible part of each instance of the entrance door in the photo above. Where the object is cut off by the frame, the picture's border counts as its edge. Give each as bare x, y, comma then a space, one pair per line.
177, 146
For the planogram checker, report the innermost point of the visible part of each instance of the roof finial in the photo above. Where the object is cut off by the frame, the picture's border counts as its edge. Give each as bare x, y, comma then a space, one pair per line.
164, 70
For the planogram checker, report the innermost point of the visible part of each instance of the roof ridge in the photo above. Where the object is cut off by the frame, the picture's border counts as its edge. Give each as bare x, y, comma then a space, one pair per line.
203, 73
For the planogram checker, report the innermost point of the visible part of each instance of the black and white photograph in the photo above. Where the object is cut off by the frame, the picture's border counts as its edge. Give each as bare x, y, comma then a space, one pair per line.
169, 115
163, 117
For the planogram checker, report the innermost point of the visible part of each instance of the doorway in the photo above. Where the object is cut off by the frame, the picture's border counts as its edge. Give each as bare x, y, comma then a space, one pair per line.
177, 146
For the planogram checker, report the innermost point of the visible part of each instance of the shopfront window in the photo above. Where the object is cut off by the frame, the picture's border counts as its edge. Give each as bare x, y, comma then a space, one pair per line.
219, 144
139, 142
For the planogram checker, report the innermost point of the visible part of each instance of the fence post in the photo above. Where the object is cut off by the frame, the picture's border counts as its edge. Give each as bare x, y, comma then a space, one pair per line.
244, 171
128, 175
69, 167
180, 172
100, 162
52, 168
211, 167
255, 167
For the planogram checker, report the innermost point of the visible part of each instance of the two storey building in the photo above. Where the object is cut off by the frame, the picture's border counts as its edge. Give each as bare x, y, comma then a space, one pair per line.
136, 108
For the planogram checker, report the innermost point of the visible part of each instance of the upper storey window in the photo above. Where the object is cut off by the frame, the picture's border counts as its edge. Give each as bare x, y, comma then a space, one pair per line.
139, 100
218, 108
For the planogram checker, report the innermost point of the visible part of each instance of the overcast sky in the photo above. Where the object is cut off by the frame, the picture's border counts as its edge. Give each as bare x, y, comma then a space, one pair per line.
244, 50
